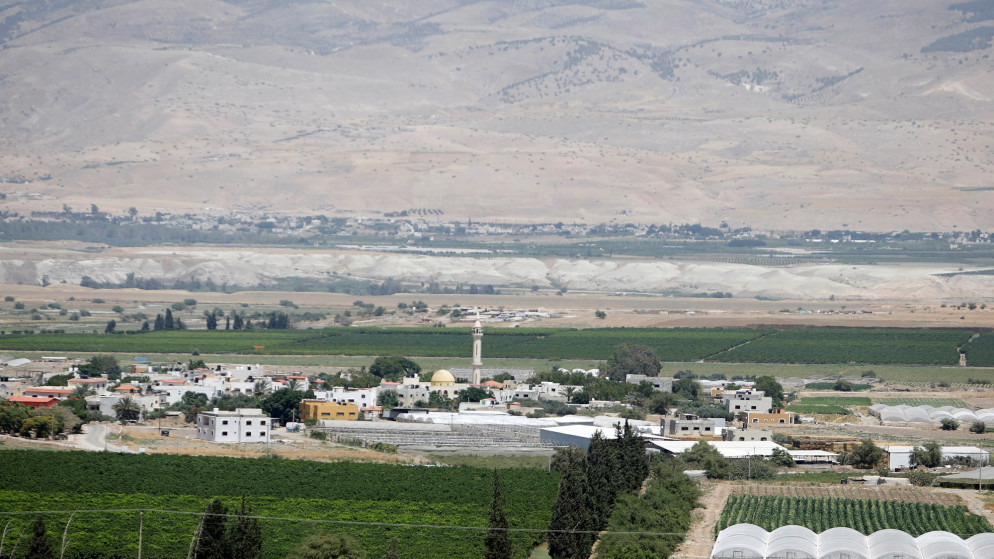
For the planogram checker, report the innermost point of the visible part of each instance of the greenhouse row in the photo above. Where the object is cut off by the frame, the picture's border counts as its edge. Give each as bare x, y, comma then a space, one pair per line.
929, 414
748, 541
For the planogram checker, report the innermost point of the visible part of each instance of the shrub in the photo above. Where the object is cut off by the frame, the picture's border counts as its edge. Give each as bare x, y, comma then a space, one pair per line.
978, 427
949, 424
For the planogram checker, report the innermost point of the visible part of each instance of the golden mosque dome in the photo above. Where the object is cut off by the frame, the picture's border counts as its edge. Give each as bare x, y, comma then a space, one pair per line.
442, 378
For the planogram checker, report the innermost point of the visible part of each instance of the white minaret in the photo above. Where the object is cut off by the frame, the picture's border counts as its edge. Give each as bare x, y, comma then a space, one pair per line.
477, 351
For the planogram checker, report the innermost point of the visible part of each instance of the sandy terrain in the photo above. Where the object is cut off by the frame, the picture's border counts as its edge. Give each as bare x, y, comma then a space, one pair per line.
632, 292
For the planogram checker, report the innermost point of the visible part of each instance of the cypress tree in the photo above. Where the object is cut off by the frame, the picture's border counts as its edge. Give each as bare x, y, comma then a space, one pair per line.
168, 323
160, 324
245, 536
212, 543
603, 477
498, 542
39, 547
570, 514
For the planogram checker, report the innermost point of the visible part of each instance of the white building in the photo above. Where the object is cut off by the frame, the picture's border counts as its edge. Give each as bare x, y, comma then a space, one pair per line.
899, 456
745, 400
659, 384
244, 425
362, 397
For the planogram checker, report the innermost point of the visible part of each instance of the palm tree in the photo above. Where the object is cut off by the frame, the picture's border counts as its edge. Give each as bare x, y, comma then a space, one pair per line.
294, 385
126, 409
260, 388
81, 392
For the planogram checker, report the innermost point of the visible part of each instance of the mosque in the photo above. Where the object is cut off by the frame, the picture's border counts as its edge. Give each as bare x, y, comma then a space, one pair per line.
412, 389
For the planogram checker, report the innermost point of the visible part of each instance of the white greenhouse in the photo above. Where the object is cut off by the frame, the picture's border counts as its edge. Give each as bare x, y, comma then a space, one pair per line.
748, 541
928, 414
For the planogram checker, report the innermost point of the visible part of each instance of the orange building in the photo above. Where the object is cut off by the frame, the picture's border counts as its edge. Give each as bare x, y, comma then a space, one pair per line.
323, 409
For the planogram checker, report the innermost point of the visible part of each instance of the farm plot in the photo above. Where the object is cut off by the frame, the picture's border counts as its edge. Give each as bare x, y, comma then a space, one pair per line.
857, 345
373, 502
863, 515
828, 404
900, 494
914, 402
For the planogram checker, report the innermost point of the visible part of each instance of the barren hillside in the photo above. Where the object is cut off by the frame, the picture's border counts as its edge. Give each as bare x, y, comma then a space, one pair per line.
776, 114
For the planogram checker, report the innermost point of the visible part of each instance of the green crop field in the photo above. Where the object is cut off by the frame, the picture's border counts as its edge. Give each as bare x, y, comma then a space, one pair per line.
372, 502
828, 404
855, 345
526, 343
864, 515
934, 402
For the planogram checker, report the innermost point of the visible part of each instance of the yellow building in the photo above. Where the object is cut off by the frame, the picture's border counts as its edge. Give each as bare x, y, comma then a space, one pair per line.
322, 409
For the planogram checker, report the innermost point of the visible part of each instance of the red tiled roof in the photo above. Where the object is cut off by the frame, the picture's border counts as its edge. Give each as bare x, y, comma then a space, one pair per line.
36, 402
48, 390
87, 380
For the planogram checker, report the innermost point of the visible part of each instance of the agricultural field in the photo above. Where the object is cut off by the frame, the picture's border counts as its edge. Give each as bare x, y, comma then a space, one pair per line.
831, 386
530, 343
980, 351
372, 502
934, 402
864, 515
832, 350
857, 345
828, 404
838, 491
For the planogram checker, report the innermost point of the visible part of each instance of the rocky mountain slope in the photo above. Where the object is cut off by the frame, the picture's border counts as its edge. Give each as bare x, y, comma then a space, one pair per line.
775, 114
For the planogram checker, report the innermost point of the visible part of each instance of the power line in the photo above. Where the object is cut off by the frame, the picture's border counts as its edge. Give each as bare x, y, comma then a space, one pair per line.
342, 522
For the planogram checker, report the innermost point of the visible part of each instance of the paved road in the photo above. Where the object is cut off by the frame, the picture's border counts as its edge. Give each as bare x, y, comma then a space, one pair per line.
94, 437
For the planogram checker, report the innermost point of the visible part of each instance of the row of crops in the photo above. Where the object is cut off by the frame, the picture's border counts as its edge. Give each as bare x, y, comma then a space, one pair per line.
863, 515
856, 345
809, 345
374, 503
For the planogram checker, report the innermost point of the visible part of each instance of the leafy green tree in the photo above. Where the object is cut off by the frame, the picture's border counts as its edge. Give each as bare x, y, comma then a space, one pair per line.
635, 359
12, 416
978, 427
159, 324
388, 399
111, 325
928, 455
843, 386
687, 388
474, 394
949, 424
212, 321
244, 536
865, 455
58, 380
661, 403
39, 546
194, 399
782, 458
282, 404
703, 456
394, 367
771, 388
212, 542
101, 365
436, 400
498, 542
581, 397
328, 546
168, 323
